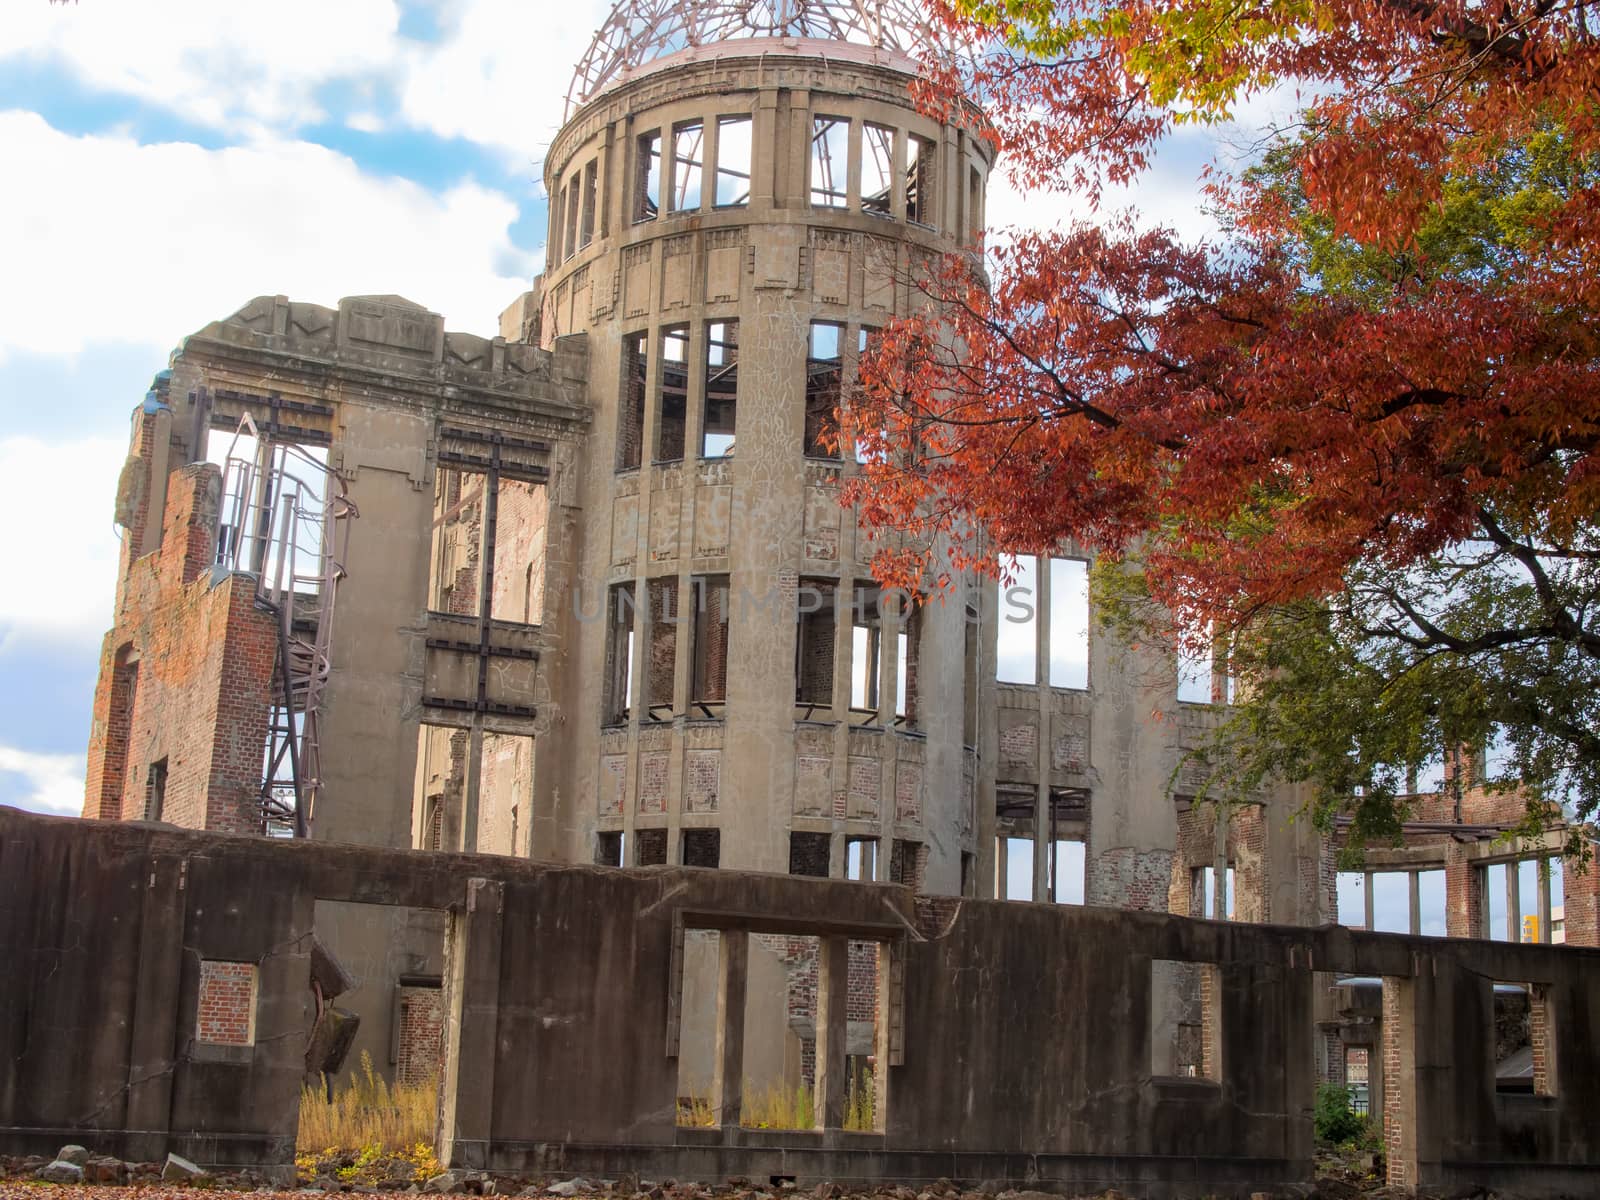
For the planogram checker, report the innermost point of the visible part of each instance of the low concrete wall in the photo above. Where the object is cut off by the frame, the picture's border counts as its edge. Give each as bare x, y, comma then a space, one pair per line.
1014, 1041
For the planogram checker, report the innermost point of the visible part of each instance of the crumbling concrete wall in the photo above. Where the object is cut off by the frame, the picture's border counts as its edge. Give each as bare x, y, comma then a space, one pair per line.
562, 1022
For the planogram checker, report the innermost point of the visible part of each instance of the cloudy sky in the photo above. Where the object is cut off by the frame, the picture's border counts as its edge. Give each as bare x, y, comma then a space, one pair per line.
166, 163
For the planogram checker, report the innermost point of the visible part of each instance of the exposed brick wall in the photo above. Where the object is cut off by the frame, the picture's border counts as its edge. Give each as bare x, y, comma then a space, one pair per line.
818, 629
908, 863
1396, 1081
808, 854
1465, 912
1124, 877
419, 1041
227, 1006
1581, 897
1540, 1037
206, 658
630, 412
710, 681
1247, 854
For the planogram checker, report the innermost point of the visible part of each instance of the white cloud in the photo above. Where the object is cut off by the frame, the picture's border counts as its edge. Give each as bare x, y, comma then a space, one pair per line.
53, 782
59, 541
500, 74
238, 66
146, 243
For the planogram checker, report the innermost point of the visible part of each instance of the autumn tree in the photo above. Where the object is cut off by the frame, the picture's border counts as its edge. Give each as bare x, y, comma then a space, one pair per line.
1358, 431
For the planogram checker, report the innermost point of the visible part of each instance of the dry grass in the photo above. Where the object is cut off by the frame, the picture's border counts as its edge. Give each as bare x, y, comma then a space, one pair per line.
780, 1107
369, 1123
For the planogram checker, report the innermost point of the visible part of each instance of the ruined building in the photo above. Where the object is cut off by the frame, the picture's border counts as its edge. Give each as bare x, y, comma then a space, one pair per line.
583, 593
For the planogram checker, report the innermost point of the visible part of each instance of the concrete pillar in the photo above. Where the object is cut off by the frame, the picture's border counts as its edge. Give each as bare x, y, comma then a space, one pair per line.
1002, 867
727, 1085
833, 977
1544, 900
1367, 901
472, 1018
152, 1041
1415, 890
1513, 902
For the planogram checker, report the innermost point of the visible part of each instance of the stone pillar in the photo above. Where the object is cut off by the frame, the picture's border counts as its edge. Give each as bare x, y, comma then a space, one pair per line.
1463, 889
472, 1018
1580, 900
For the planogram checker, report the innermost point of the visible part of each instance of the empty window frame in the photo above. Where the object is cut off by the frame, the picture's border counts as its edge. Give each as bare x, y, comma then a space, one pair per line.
861, 858
647, 177
919, 180
863, 335
1185, 1020
908, 862
651, 847
877, 169
609, 849
824, 366
619, 652
569, 241
1204, 900
866, 647
830, 162
720, 413
688, 157
1067, 869
661, 659
815, 631
155, 800
710, 683
1522, 1039
733, 162
558, 201
672, 413
907, 644
702, 847
591, 193
1017, 639
630, 412
1069, 623
808, 854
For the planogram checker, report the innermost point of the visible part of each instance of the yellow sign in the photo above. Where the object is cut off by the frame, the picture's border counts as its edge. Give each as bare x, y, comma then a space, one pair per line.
1530, 928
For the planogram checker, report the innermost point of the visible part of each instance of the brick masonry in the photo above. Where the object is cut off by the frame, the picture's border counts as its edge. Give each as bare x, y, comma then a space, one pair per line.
419, 1042
226, 1015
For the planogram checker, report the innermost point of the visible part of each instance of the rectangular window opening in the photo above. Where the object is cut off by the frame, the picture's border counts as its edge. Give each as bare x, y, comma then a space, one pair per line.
569, 240
1068, 871
661, 660
919, 185
672, 414
647, 179
620, 613
908, 863
969, 874
591, 191
651, 846
866, 648
808, 854
710, 684
733, 161
1358, 1079
155, 802
702, 847
688, 153
1017, 650
609, 849
830, 159
877, 169
863, 450
816, 621
1205, 902
1185, 1025
1069, 623
630, 412
861, 858
516, 593
722, 389
1523, 1036
824, 365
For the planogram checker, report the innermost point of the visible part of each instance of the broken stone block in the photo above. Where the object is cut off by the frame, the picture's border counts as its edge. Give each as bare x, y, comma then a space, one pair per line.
104, 1170
330, 1043
178, 1169
453, 1182
568, 1187
60, 1172
76, 1155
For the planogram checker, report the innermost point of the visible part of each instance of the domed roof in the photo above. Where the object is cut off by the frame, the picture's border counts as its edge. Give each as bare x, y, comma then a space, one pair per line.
639, 32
